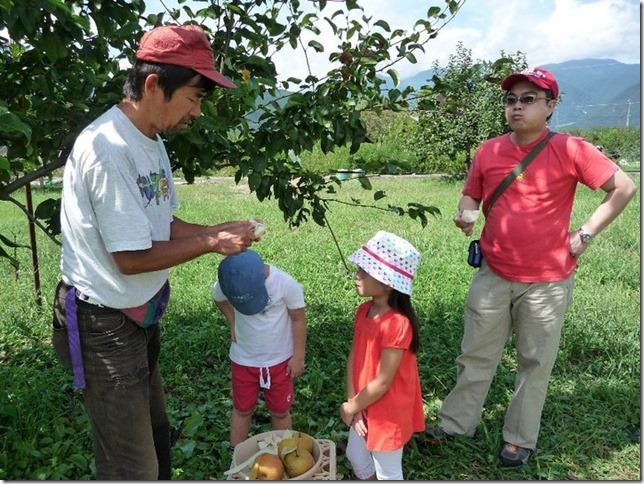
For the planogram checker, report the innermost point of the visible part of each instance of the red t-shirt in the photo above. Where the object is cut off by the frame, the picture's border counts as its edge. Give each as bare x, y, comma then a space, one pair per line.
525, 237
393, 418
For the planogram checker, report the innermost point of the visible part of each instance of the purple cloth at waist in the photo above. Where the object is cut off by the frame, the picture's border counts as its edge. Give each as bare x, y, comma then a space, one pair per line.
73, 338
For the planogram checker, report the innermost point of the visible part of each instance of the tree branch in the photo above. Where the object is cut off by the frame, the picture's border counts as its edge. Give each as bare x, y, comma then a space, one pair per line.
45, 170
358, 204
33, 219
326, 220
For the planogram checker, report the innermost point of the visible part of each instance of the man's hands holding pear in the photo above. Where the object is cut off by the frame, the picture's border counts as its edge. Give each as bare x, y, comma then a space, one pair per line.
468, 212
234, 237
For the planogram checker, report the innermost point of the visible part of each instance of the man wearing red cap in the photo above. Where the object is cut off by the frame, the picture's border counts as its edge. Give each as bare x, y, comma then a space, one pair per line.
120, 238
530, 253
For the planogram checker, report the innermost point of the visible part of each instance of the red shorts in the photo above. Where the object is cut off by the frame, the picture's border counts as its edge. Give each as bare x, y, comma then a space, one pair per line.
246, 387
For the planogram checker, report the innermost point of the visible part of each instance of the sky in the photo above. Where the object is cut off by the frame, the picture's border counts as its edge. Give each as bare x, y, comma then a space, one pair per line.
547, 31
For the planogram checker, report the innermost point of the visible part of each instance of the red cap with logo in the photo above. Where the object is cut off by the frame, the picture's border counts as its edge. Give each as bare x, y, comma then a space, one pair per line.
537, 76
182, 45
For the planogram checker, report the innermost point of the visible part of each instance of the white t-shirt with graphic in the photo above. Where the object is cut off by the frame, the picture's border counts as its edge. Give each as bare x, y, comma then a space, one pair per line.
266, 339
118, 195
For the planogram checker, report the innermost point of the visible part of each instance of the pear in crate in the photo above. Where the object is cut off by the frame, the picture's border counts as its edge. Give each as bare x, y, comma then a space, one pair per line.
267, 467
298, 462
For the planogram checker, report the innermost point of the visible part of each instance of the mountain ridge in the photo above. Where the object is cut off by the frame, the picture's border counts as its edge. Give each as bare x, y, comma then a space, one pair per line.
594, 92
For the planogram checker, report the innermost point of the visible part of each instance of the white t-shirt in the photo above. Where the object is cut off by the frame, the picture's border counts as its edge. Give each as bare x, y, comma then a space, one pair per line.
118, 195
266, 338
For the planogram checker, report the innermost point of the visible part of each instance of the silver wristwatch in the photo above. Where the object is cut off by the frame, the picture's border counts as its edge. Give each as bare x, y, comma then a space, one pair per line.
585, 237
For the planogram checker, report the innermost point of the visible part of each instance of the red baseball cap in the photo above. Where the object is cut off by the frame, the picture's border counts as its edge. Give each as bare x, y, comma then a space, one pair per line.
182, 45
537, 76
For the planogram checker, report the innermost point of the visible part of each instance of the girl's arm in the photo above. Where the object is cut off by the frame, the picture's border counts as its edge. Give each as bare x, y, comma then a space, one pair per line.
356, 421
376, 388
351, 392
227, 309
296, 363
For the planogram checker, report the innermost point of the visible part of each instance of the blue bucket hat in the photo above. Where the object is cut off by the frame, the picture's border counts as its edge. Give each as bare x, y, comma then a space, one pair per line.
241, 278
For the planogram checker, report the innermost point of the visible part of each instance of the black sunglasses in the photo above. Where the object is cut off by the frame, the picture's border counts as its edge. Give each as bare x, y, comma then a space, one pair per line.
511, 99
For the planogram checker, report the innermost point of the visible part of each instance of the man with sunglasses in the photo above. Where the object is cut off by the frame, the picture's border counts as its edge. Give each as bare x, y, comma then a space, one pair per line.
530, 253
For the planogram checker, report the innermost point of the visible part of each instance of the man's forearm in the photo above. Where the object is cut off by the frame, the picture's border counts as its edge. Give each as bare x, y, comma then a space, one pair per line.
163, 254
619, 191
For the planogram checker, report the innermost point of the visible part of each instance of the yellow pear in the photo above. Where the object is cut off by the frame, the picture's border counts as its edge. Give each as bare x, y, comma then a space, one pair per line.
267, 467
287, 445
298, 462
304, 442
254, 471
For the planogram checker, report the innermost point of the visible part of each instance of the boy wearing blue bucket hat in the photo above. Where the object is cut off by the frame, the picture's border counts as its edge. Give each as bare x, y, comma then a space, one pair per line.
265, 308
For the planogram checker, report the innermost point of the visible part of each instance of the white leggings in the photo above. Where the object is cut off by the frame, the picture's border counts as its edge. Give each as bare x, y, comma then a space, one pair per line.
386, 465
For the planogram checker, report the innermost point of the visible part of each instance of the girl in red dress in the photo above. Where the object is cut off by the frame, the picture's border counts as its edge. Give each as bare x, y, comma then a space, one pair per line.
384, 404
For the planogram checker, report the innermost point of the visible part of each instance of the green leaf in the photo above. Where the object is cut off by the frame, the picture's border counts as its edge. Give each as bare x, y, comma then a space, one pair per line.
379, 195
295, 100
383, 25
411, 57
12, 261
334, 27
54, 47
188, 448
316, 45
79, 460
192, 424
10, 123
4, 164
47, 208
8, 242
394, 76
364, 181
433, 11
352, 4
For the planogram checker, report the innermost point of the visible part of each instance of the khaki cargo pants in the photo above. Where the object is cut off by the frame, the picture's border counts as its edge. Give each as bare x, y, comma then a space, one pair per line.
495, 307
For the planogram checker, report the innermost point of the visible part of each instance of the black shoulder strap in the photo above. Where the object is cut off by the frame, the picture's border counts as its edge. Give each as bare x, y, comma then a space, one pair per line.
516, 171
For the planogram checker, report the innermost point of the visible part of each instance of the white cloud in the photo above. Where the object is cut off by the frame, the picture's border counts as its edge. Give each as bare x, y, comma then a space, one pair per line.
605, 29
547, 31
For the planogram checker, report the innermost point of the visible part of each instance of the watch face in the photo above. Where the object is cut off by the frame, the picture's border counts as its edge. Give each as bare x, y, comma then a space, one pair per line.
585, 238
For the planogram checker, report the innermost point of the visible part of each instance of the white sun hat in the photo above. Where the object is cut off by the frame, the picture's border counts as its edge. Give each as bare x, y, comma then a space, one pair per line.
389, 259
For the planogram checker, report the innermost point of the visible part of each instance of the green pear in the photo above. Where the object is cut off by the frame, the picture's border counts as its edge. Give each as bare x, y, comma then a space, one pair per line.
304, 442
298, 462
286, 446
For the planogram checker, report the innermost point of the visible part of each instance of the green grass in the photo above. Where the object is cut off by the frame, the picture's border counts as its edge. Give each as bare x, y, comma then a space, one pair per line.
591, 421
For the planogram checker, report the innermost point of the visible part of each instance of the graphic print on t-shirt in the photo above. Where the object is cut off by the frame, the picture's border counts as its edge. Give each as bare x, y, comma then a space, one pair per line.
155, 186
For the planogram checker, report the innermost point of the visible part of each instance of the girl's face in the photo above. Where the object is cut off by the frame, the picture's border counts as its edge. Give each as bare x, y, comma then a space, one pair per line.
367, 286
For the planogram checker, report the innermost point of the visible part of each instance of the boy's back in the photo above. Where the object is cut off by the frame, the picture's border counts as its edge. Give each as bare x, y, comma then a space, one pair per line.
266, 338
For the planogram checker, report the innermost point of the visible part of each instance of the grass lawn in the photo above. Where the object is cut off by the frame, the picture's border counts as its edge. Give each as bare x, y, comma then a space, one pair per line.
591, 422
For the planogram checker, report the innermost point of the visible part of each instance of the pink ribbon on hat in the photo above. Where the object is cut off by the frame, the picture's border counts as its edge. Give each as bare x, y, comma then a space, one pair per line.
387, 263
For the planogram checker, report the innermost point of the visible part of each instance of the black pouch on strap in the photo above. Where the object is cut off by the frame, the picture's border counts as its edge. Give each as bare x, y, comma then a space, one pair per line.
474, 254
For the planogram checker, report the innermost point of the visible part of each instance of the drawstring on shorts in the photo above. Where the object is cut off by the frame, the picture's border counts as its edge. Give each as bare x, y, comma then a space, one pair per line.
265, 382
